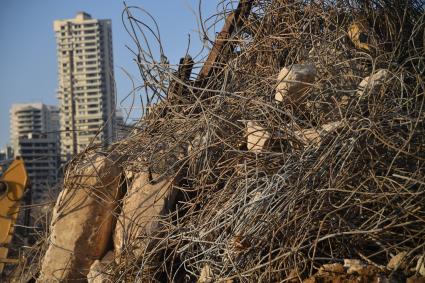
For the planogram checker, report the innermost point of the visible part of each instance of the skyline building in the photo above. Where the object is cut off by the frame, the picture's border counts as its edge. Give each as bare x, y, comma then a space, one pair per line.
34, 136
121, 130
86, 89
6, 153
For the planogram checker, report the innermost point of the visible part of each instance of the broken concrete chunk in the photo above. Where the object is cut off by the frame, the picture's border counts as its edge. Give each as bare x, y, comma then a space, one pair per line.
98, 271
360, 268
206, 275
397, 261
257, 136
313, 136
308, 136
359, 35
332, 268
148, 198
344, 100
354, 266
420, 265
293, 81
329, 127
373, 81
82, 220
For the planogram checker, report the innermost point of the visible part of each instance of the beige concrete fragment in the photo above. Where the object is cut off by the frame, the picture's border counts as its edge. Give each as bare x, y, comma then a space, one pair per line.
397, 261
373, 81
344, 100
82, 220
354, 266
145, 202
313, 136
358, 34
128, 174
420, 265
308, 136
257, 136
206, 275
293, 81
329, 127
99, 272
332, 268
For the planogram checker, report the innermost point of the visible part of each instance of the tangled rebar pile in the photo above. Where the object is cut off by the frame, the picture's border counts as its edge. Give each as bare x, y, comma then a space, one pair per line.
254, 216
355, 191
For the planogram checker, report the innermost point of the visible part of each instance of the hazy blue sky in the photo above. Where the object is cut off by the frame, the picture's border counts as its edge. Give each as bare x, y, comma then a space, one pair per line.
28, 70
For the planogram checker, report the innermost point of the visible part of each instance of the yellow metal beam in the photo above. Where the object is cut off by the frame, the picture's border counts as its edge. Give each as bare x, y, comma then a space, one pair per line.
13, 183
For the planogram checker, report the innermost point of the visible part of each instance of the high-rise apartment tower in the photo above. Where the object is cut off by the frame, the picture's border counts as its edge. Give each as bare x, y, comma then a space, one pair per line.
86, 88
34, 135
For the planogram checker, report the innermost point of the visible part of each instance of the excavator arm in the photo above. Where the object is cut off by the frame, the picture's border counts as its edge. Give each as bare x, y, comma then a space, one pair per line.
13, 183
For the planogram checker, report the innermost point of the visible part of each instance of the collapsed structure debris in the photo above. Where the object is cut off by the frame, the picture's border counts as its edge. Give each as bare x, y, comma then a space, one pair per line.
298, 156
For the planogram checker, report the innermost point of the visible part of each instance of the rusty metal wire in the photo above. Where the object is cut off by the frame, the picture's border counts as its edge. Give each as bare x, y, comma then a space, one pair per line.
256, 216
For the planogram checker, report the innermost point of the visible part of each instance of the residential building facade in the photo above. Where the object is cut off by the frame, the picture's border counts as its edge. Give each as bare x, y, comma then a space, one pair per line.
6, 153
34, 134
86, 88
121, 129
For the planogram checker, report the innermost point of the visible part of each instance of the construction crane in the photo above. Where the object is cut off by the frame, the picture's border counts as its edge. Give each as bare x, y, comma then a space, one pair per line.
13, 183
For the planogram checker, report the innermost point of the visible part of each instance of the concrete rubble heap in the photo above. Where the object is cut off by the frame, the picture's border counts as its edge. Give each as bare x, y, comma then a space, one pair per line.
296, 153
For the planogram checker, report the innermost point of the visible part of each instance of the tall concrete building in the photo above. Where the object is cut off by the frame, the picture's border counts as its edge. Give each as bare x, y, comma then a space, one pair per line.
121, 130
34, 135
6, 153
86, 88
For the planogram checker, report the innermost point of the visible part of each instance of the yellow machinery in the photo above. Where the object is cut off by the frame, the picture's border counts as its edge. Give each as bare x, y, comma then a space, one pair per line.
13, 183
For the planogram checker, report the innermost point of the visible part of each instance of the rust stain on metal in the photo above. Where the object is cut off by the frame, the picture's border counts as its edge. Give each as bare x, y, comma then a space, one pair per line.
183, 74
232, 21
